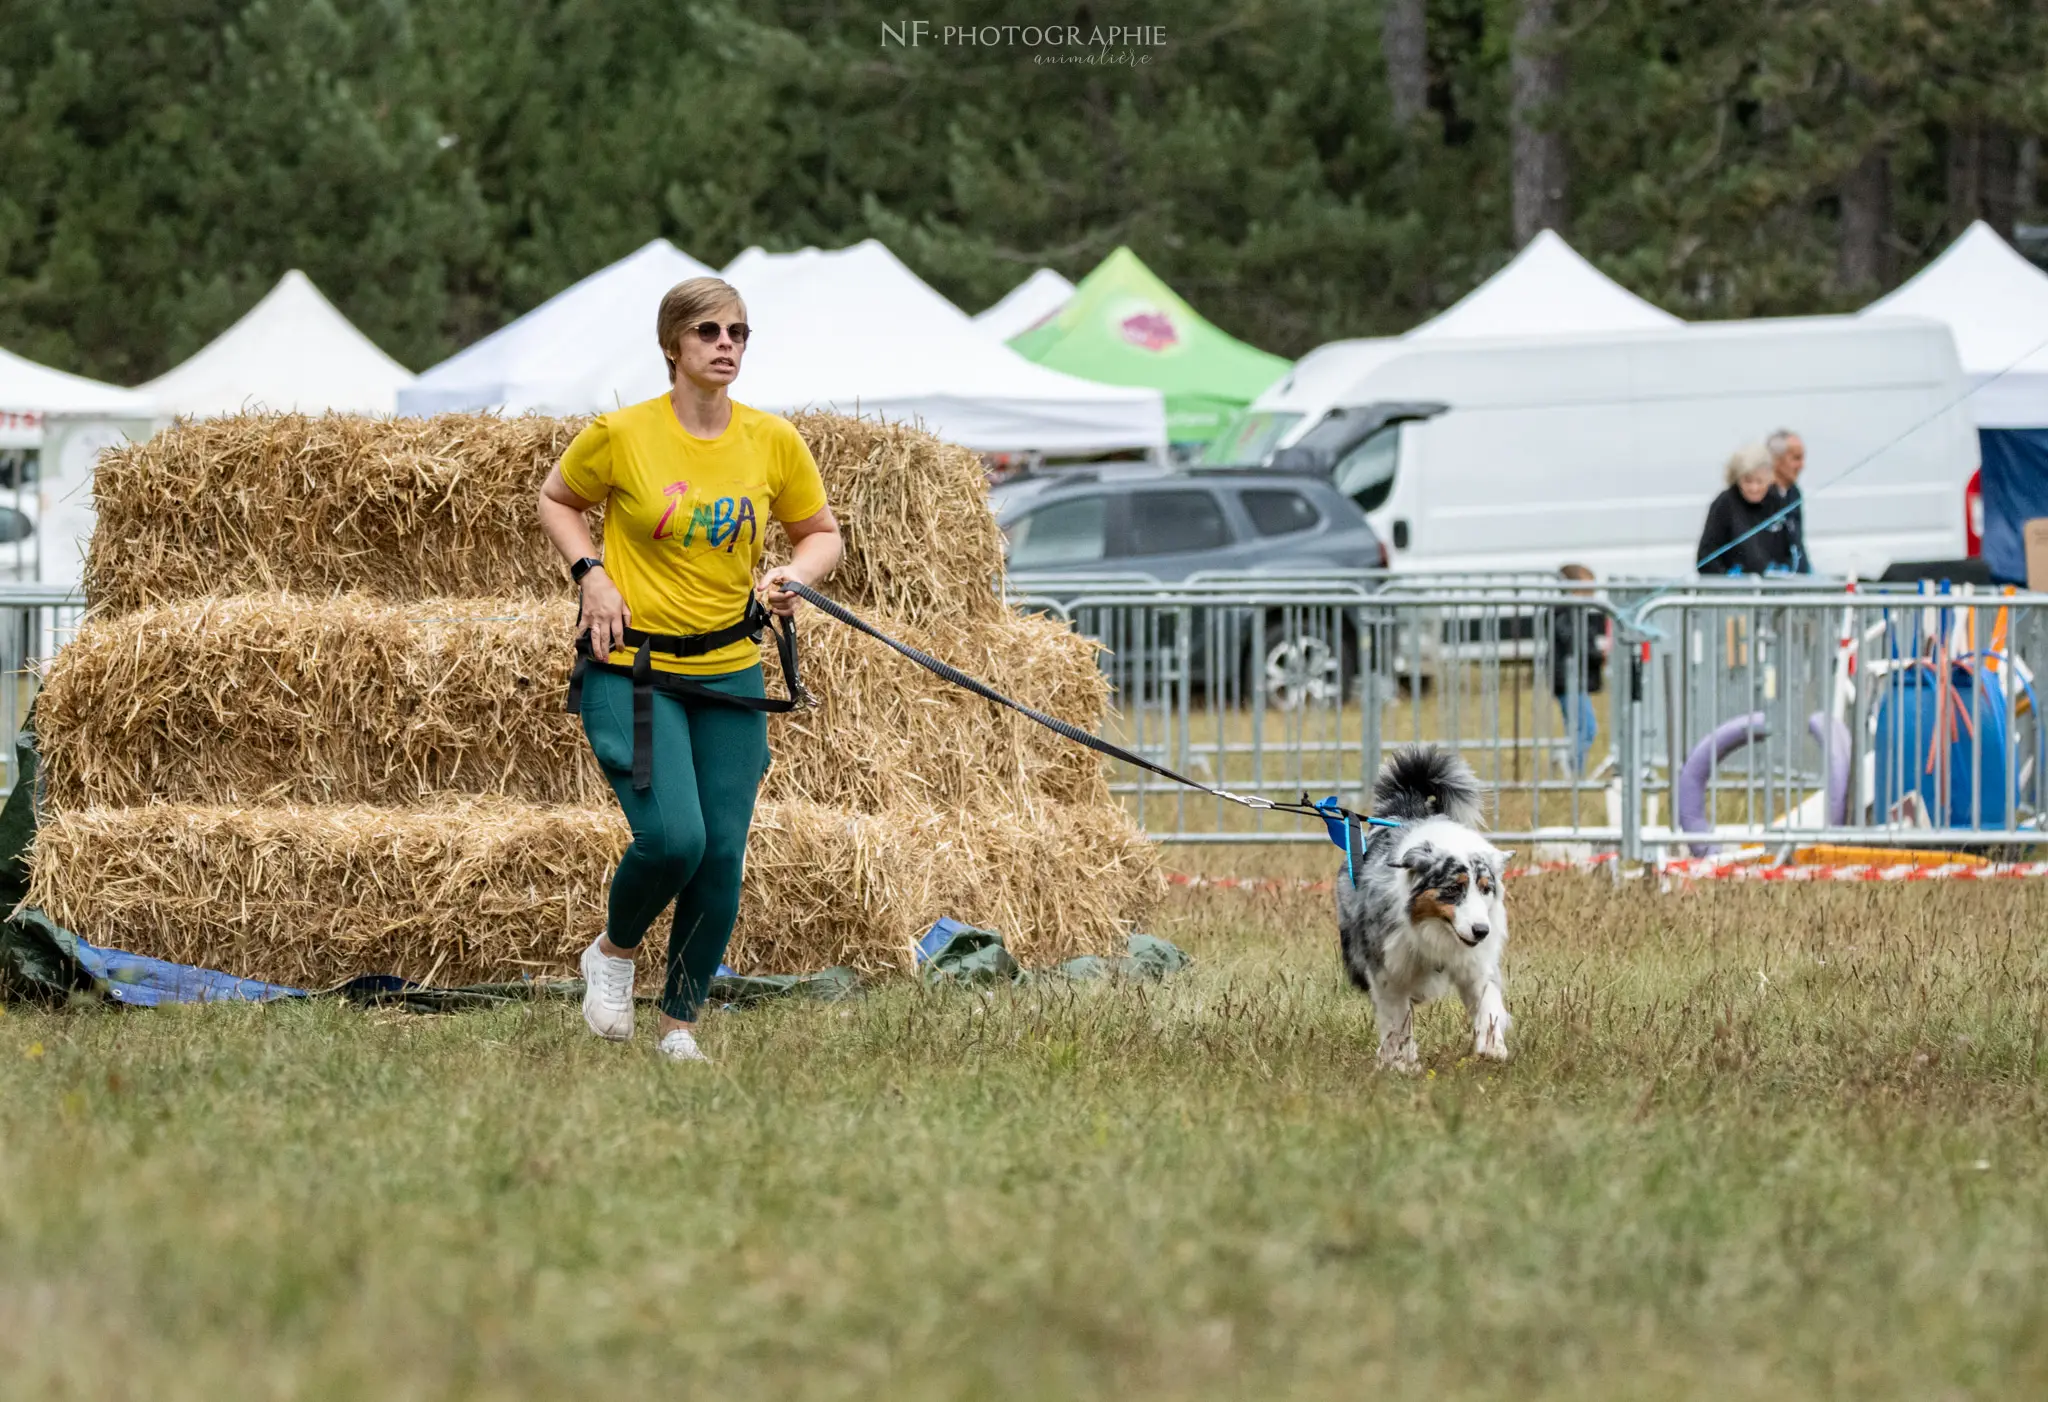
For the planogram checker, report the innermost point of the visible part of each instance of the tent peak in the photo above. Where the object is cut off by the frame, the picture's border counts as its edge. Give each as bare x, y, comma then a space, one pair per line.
1547, 288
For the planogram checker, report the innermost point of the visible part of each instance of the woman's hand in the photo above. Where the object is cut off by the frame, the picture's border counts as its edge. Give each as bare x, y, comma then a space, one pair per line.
773, 596
815, 548
604, 613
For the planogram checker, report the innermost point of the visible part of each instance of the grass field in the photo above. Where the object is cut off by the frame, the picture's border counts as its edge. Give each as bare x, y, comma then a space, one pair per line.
1755, 1142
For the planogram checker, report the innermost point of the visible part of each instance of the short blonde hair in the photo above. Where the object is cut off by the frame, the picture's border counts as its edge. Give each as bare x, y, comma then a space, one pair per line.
688, 303
1750, 460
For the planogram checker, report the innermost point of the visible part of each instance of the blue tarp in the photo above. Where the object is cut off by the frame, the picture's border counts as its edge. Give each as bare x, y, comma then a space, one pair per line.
2015, 492
146, 983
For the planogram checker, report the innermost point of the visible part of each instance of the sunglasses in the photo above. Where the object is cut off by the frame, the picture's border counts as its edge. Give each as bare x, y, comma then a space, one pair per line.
707, 332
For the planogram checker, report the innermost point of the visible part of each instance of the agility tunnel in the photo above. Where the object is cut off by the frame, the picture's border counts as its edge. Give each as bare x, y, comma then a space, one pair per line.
313, 725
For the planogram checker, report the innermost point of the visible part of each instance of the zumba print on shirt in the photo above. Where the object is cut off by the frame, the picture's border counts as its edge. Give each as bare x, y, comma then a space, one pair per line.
719, 521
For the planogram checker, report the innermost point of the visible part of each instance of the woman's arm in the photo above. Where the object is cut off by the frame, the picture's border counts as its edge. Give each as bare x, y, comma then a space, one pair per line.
815, 549
562, 517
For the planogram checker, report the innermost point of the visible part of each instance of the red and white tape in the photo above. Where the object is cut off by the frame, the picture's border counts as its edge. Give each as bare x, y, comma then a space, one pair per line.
1703, 869
1707, 869
1269, 885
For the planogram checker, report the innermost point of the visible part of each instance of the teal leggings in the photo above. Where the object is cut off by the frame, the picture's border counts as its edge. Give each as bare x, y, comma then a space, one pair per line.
690, 829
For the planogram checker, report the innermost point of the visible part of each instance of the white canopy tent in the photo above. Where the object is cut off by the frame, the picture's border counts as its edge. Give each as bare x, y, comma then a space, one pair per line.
586, 349
1025, 305
868, 261
31, 393
1545, 290
291, 351
1995, 303
42, 411
855, 330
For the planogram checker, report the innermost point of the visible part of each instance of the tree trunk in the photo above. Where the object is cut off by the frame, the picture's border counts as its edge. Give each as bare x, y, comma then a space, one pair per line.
1536, 146
1404, 43
2026, 177
1961, 161
1983, 176
1863, 261
1998, 158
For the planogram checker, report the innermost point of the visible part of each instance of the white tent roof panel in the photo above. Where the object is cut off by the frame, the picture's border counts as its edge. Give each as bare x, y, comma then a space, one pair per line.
29, 393
1547, 289
588, 348
855, 330
1025, 305
291, 351
1995, 303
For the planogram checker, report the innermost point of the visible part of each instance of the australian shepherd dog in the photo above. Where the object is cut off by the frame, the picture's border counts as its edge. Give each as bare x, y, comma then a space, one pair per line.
1422, 914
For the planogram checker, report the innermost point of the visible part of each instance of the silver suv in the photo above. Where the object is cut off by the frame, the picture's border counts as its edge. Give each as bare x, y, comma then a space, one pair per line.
1169, 526
1066, 528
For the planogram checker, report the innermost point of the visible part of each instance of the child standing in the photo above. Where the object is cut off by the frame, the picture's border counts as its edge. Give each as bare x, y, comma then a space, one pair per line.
1578, 638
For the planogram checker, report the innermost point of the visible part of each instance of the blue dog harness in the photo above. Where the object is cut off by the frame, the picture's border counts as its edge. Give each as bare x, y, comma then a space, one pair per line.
1347, 830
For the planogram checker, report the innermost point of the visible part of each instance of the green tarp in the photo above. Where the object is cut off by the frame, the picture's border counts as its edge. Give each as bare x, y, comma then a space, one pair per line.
974, 956
1123, 326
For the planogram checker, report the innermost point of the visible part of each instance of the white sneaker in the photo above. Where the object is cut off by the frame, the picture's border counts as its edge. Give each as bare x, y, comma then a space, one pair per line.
681, 1045
608, 994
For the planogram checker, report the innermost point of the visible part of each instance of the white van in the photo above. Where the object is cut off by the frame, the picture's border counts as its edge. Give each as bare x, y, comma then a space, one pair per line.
1298, 400
1606, 449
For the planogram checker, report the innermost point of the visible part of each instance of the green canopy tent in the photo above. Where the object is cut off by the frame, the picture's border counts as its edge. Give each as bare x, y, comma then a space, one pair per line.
1123, 326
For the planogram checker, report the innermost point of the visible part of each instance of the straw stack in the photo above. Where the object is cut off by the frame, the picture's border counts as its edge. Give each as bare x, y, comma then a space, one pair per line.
444, 507
470, 890
274, 698
314, 726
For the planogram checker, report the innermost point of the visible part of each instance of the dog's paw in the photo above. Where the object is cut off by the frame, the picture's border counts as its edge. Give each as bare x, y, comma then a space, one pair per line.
1406, 1061
1492, 1048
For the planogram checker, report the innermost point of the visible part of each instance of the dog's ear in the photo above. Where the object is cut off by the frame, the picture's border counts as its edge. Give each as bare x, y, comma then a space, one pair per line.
1500, 862
1417, 858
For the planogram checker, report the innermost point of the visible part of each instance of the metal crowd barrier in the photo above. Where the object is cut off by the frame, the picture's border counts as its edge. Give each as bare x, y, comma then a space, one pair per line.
1638, 717
1281, 686
1642, 717
35, 620
1889, 718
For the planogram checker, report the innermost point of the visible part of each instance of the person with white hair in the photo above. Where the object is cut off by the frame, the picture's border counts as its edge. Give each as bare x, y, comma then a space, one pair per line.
1737, 538
1788, 460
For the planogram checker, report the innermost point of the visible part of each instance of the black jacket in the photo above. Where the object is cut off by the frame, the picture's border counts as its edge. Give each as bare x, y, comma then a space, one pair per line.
1731, 518
1568, 626
1796, 525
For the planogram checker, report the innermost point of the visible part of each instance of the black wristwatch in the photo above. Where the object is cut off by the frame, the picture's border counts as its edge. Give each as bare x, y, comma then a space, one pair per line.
582, 567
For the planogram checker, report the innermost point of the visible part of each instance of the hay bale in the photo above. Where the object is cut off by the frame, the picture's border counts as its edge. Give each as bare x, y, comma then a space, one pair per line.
469, 890
274, 698
337, 645
886, 733
921, 542
258, 503
405, 508
349, 699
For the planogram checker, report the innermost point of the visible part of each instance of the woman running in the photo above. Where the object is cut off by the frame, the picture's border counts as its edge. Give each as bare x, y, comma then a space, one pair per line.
688, 482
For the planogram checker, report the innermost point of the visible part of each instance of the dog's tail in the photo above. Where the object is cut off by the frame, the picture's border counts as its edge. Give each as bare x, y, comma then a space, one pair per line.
1426, 781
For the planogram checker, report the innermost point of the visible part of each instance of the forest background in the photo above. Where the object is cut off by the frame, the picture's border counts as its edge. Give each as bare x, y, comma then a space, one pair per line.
1300, 170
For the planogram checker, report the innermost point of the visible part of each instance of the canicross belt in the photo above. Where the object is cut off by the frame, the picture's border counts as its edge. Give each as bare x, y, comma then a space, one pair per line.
647, 681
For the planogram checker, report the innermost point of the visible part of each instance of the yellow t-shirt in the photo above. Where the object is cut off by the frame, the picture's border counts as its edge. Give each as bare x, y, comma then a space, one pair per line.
684, 516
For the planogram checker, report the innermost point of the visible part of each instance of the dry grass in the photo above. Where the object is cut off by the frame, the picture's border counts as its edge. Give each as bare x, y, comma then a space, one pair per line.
257, 699
1755, 1143
472, 890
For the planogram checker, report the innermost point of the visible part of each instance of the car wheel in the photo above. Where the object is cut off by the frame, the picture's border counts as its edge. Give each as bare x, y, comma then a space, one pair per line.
1306, 667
